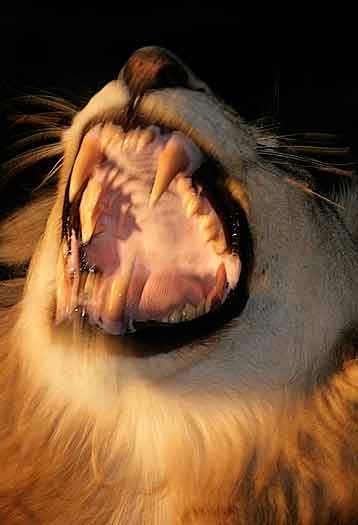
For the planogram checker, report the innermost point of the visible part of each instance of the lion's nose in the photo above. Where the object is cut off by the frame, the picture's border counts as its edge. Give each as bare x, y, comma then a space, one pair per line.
153, 68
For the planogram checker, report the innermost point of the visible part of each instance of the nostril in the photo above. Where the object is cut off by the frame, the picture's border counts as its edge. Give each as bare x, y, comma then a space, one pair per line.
153, 68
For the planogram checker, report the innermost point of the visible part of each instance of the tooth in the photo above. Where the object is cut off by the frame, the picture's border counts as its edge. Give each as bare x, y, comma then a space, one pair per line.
89, 209
219, 243
146, 137
189, 312
89, 154
172, 160
183, 186
217, 295
200, 310
175, 317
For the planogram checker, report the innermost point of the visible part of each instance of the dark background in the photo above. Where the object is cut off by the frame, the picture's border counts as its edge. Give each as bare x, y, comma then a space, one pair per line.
300, 72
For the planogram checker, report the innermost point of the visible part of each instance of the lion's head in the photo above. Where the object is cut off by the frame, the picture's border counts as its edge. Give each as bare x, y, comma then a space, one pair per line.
182, 351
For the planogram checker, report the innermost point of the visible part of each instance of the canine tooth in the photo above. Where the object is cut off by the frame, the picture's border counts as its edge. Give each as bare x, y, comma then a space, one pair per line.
207, 222
172, 160
217, 294
189, 312
89, 154
88, 209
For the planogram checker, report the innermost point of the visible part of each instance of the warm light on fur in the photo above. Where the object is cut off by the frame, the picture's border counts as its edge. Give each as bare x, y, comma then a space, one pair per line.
209, 434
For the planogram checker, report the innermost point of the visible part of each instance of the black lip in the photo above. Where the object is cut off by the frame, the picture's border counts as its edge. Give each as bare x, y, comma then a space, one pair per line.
145, 341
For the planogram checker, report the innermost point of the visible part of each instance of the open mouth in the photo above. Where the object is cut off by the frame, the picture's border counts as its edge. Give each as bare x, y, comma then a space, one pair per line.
150, 236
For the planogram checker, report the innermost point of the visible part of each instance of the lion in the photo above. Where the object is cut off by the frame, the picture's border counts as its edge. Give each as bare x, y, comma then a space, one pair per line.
179, 323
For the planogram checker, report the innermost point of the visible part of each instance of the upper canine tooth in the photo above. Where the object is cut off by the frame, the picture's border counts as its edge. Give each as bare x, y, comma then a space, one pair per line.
175, 317
89, 154
189, 312
118, 291
172, 160
89, 210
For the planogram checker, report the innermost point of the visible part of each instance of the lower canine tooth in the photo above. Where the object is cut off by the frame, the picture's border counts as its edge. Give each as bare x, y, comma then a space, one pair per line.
189, 312
90, 153
89, 210
172, 160
118, 292
200, 310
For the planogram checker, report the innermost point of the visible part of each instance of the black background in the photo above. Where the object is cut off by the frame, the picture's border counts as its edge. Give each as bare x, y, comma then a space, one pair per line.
301, 72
